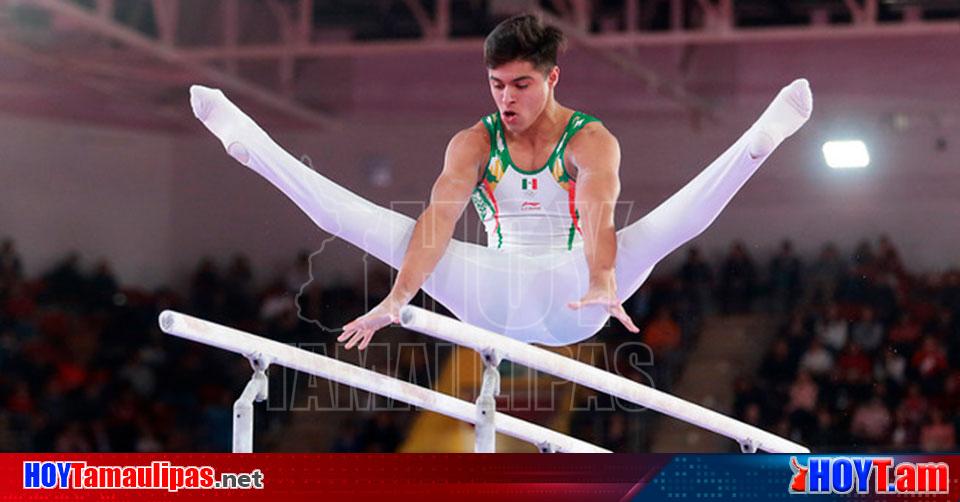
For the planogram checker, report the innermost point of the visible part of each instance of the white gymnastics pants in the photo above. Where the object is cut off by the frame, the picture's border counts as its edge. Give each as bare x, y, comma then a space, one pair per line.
522, 295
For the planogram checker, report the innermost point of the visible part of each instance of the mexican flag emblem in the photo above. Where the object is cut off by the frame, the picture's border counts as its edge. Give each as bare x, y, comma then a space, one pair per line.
529, 184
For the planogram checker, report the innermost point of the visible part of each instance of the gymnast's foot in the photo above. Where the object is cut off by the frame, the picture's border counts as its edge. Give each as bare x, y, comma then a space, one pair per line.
788, 111
227, 122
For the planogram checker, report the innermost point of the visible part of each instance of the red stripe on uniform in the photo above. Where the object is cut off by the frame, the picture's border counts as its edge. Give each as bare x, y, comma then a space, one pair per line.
572, 197
496, 209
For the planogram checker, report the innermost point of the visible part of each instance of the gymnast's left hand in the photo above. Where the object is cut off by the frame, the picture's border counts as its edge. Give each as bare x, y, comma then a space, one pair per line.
605, 295
361, 329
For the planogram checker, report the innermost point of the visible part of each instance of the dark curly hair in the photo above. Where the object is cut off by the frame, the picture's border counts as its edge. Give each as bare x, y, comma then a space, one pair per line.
523, 38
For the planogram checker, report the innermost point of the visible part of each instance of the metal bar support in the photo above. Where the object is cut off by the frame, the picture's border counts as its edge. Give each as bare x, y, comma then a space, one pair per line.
486, 428
256, 390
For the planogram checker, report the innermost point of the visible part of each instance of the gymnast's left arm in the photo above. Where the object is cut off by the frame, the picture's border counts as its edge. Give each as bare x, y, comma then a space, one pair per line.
596, 154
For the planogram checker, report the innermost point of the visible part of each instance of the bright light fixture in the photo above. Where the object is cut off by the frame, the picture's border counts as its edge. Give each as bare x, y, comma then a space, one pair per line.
846, 154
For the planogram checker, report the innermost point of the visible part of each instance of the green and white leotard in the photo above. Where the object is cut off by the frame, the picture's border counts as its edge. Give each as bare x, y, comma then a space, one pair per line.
528, 209
520, 284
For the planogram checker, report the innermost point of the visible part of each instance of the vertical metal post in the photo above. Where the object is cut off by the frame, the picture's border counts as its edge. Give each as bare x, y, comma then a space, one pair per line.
441, 21
231, 31
256, 390
631, 15
486, 429
305, 26
676, 15
167, 14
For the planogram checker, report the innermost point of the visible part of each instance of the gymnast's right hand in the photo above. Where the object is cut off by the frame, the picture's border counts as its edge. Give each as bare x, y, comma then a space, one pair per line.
361, 329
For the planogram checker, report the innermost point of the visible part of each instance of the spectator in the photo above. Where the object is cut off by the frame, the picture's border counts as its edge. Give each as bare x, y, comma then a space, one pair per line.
950, 293
930, 363
348, 438
817, 360
803, 401
381, 433
882, 297
854, 364
147, 442
778, 368
753, 415
738, 280
905, 435
951, 394
863, 255
905, 333
892, 370
73, 439
833, 330
64, 282
205, 288
825, 272
784, 272
102, 287
914, 407
938, 436
663, 337
615, 434
746, 392
871, 422
826, 435
855, 287
299, 273
11, 267
662, 334
798, 333
888, 258
237, 284
696, 279
867, 332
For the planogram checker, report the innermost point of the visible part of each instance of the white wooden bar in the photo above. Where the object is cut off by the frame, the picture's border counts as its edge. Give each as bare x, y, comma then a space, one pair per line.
451, 330
259, 349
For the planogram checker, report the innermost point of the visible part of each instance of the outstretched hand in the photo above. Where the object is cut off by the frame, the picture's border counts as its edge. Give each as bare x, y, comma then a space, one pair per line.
606, 296
361, 329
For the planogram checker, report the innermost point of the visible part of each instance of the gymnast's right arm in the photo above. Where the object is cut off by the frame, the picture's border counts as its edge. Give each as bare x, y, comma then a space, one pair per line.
451, 192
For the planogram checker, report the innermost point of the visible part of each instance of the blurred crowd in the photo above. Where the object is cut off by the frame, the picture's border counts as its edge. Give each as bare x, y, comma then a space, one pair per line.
865, 358
85, 368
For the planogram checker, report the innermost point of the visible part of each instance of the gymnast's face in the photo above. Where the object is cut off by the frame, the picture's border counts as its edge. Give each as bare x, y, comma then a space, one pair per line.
521, 92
